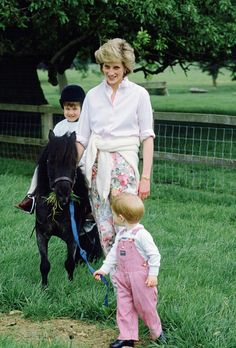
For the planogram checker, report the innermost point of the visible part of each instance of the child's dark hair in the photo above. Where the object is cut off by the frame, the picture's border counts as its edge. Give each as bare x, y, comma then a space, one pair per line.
128, 205
71, 104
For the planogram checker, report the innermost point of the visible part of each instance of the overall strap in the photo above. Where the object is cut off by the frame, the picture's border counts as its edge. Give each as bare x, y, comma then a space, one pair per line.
134, 231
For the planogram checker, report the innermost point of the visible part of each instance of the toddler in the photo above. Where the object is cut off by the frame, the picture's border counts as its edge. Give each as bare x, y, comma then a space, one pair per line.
137, 259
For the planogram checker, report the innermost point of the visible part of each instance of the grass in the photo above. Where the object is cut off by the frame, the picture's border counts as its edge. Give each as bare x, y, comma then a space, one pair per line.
195, 232
220, 100
196, 176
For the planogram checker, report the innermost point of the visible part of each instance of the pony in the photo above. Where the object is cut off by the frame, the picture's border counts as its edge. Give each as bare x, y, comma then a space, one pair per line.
60, 181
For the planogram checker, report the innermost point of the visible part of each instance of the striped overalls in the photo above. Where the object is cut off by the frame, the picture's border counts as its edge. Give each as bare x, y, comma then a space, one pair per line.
134, 298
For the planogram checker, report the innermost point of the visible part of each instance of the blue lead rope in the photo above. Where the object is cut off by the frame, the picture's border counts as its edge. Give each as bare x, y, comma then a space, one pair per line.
82, 251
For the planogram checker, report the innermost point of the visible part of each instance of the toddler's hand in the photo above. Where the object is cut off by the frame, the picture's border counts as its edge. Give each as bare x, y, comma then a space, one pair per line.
151, 281
97, 274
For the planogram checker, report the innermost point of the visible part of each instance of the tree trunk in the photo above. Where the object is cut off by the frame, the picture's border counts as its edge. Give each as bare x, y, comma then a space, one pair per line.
214, 81
19, 83
62, 81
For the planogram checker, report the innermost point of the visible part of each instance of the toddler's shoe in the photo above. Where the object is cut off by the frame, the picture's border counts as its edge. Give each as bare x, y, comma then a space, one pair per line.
122, 343
27, 205
161, 339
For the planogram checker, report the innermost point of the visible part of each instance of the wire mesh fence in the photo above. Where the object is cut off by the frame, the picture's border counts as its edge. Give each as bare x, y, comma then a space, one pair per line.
24, 133
190, 154
196, 156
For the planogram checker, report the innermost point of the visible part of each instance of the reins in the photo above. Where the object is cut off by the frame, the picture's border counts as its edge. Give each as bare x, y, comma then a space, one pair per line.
82, 251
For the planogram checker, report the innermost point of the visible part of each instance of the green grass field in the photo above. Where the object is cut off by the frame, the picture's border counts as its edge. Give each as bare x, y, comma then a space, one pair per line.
220, 100
195, 232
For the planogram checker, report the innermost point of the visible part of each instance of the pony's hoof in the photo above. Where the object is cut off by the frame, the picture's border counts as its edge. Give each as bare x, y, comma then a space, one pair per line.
44, 287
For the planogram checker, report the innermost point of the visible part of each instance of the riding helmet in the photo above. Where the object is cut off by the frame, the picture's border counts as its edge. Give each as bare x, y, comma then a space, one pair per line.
72, 93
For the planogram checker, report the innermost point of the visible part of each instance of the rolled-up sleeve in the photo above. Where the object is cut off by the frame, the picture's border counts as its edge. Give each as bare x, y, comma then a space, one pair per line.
145, 116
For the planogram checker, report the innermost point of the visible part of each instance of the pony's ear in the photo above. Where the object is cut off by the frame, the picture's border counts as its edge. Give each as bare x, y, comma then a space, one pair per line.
73, 135
51, 134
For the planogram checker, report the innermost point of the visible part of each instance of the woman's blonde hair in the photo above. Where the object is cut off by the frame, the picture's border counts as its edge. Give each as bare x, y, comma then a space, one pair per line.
128, 205
116, 50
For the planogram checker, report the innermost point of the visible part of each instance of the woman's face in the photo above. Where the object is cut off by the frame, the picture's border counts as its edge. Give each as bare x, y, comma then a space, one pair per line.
114, 73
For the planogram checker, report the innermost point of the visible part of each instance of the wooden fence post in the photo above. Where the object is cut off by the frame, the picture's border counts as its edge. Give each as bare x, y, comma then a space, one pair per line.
46, 124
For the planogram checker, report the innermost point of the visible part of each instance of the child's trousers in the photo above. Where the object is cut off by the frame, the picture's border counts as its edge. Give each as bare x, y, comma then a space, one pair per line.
134, 298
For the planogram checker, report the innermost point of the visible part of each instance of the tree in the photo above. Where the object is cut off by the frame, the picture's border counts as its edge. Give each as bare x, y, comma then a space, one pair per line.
187, 31
163, 33
232, 67
213, 69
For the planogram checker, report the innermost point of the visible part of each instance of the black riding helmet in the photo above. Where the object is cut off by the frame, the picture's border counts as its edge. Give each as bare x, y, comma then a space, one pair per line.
72, 93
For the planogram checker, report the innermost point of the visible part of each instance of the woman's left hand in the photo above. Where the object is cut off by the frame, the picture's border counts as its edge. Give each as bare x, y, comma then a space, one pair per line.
144, 188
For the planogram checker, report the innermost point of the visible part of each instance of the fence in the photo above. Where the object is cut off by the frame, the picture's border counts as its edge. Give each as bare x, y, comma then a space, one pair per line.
24, 129
196, 151
193, 150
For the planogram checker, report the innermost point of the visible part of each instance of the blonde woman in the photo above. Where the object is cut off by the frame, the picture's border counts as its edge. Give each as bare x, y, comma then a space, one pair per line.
116, 117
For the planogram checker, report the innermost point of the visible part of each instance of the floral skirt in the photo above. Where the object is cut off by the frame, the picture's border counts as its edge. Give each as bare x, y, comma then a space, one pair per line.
122, 180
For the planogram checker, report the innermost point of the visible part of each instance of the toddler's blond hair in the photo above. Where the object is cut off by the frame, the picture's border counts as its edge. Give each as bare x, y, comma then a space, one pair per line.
128, 205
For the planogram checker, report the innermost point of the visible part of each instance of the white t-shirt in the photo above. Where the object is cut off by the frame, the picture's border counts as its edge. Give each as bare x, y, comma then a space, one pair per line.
65, 126
130, 114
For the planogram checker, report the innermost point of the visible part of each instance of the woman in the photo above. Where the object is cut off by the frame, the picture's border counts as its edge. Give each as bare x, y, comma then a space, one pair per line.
116, 117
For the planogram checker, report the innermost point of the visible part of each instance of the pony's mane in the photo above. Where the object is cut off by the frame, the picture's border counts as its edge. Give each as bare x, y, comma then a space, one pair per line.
63, 149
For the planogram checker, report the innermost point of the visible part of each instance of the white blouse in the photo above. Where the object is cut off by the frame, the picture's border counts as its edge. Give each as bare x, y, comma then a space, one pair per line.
130, 114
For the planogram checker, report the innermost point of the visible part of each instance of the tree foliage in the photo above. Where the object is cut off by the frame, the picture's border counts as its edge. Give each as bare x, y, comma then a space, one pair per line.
163, 32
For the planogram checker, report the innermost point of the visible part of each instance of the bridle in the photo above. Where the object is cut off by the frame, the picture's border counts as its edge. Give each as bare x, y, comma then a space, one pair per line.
61, 178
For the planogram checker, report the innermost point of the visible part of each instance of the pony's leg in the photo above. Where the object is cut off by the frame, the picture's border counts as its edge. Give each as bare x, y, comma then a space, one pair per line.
44, 264
70, 261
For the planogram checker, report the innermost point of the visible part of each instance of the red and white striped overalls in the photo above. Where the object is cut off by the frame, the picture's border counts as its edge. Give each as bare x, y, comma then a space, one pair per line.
134, 298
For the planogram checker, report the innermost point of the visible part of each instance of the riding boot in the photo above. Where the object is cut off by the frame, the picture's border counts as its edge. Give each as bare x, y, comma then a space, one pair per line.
27, 204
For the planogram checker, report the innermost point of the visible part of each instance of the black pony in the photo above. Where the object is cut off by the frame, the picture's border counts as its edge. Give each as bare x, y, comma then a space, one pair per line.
59, 182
